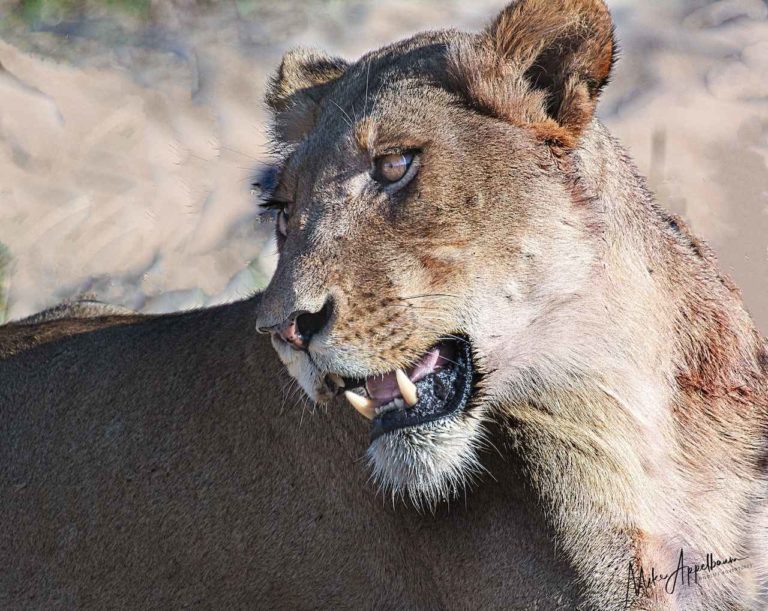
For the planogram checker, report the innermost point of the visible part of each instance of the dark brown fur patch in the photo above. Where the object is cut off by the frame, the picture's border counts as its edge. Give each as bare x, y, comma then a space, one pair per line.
440, 270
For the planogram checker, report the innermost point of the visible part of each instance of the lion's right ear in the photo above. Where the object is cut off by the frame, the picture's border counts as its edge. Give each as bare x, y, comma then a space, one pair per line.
295, 91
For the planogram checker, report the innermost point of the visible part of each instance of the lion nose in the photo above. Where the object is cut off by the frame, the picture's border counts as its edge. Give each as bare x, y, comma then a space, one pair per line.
299, 328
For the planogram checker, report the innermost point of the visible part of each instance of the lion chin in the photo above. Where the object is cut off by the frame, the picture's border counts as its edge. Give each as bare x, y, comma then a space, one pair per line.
428, 463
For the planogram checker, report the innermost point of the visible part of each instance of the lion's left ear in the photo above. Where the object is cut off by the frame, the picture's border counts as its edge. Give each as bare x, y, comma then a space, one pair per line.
541, 63
295, 91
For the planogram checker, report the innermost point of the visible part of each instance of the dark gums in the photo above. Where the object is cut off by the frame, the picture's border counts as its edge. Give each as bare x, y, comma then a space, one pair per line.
440, 394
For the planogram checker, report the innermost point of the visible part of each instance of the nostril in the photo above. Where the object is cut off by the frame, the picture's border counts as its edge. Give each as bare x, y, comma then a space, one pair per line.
309, 323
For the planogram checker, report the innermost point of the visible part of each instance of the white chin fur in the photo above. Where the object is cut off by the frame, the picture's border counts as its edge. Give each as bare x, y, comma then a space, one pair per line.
429, 463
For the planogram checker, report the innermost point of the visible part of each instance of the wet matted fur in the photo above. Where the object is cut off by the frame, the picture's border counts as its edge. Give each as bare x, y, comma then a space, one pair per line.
620, 364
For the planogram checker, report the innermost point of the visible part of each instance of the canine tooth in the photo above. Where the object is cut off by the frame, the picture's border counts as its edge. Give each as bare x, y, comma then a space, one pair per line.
337, 379
361, 404
407, 388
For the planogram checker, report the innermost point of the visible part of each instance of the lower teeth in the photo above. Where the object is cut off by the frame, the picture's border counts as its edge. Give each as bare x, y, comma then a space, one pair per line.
388, 407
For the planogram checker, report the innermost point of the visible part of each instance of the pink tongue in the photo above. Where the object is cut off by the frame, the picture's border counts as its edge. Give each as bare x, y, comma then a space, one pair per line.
384, 388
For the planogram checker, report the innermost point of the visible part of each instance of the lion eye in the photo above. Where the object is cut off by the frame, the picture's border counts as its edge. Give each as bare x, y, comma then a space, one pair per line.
389, 169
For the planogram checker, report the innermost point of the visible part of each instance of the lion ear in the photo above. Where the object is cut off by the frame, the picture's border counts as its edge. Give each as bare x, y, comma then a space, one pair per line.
295, 91
541, 63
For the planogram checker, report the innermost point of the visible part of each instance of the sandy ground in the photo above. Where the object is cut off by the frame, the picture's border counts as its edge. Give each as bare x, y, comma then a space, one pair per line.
127, 142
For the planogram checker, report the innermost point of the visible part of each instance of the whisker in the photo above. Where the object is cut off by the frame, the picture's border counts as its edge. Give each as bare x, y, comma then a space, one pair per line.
378, 92
427, 295
367, 74
287, 391
349, 119
456, 338
412, 307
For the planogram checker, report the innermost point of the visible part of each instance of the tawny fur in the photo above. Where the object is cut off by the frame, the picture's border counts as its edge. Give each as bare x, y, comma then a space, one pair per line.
161, 462
151, 463
620, 367
65, 319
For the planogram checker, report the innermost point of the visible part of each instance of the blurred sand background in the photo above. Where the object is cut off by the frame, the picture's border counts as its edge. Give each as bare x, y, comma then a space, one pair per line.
130, 132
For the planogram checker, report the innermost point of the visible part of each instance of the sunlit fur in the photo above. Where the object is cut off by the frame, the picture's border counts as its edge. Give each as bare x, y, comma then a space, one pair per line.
620, 367
430, 463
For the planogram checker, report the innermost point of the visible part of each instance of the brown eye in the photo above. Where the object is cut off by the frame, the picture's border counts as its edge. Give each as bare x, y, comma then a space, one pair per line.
389, 169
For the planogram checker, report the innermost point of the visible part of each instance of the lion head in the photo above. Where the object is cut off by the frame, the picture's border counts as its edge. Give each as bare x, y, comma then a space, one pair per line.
433, 241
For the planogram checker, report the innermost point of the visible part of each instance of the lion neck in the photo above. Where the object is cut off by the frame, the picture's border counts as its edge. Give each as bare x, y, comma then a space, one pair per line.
683, 321
652, 372
647, 320
654, 339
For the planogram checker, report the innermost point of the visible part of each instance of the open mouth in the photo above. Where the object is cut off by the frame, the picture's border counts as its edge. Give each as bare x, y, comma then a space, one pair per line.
438, 384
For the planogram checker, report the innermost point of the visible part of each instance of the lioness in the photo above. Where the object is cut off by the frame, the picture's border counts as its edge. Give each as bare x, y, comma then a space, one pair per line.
470, 258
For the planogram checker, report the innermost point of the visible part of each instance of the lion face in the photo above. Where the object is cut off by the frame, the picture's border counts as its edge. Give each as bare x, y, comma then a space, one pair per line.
431, 247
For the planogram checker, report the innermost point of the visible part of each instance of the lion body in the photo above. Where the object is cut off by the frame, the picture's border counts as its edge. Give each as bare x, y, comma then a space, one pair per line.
158, 463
